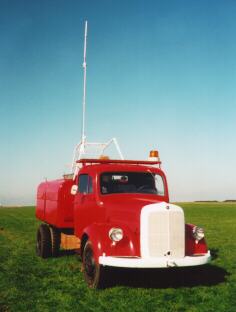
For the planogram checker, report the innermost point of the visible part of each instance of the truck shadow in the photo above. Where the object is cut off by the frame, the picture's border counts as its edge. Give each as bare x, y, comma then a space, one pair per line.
207, 275
214, 253
63, 253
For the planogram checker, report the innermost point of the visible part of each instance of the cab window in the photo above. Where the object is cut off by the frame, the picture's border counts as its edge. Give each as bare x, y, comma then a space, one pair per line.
132, 182
85, 184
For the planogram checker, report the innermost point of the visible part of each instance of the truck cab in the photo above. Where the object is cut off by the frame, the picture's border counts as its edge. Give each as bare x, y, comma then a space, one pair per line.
119, 212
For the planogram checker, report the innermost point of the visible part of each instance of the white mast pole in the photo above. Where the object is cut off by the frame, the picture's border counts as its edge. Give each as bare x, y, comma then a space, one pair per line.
84, 93
79, 150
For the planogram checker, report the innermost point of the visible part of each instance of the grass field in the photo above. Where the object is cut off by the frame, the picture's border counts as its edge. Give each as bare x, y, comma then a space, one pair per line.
28, 283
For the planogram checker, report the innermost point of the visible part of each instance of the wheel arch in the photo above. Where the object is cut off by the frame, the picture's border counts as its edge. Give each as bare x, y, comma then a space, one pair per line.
95, 234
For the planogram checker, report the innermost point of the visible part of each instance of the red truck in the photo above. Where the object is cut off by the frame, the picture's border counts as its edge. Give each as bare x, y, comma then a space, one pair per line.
120, 212
117, 212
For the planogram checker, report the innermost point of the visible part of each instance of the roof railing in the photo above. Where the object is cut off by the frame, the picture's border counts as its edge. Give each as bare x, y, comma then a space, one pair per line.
117, 161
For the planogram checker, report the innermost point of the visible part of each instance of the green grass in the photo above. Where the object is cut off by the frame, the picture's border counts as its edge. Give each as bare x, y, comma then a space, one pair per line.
28, 283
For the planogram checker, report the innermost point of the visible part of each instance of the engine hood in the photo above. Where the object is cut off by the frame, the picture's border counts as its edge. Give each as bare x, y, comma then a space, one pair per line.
126, 208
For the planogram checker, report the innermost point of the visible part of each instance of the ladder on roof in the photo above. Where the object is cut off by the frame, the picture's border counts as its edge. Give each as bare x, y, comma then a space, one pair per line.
93, 150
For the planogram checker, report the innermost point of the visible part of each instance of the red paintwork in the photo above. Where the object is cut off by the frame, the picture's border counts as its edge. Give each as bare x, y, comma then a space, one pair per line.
191, 246
113, 210
55, 203
95, 214
98, 234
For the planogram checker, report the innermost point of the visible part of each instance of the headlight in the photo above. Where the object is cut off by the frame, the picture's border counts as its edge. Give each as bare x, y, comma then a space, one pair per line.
198, 233
116, 234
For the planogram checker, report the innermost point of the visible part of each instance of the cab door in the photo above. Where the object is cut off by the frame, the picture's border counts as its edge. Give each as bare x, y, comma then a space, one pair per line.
84, 204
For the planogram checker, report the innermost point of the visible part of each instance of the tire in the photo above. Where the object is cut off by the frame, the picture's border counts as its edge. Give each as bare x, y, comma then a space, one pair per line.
56, 241
44, 241
94, 274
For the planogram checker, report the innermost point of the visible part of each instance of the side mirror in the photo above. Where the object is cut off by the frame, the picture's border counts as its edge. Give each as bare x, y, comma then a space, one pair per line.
74, 189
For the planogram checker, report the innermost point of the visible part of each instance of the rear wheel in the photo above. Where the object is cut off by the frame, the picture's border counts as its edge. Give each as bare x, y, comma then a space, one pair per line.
94, 274
44, 242
56, 241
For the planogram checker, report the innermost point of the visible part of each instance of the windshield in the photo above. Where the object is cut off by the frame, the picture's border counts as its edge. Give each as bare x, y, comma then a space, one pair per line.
132, 182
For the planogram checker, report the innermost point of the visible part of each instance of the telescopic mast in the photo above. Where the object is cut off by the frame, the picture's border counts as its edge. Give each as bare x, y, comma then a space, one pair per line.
84, 90
81, 149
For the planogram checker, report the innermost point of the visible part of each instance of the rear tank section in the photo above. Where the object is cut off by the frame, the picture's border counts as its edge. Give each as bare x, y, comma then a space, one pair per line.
55, 203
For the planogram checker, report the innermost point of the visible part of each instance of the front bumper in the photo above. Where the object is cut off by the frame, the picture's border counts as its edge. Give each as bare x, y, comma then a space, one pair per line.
164, 262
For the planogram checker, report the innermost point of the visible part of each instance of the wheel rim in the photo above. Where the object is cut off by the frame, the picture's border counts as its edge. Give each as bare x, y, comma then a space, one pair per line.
89, 264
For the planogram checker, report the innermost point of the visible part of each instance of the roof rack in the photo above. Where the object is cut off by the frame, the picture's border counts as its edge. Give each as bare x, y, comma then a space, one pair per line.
92, 151
117, 161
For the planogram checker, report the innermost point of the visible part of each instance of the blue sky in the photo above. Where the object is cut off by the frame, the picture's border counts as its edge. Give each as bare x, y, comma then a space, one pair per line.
161, 74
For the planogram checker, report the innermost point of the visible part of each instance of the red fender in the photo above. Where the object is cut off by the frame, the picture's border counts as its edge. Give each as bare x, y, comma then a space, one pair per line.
98, 234
191, 246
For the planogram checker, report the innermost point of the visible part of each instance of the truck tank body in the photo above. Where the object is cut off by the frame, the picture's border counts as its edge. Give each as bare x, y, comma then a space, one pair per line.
55, 203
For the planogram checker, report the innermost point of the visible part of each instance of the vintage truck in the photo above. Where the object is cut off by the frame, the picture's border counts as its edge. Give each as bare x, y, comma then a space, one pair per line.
116, 213
120, 214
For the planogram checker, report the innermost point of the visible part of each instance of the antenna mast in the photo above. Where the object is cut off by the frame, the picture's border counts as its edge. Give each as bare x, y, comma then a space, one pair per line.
84, 93
81, 149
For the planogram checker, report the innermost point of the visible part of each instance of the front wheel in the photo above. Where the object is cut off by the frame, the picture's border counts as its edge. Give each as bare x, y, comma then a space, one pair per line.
94, 274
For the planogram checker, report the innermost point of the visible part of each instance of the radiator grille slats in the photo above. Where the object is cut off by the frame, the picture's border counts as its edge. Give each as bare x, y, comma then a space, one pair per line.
164, 231
177, 237
157, 234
